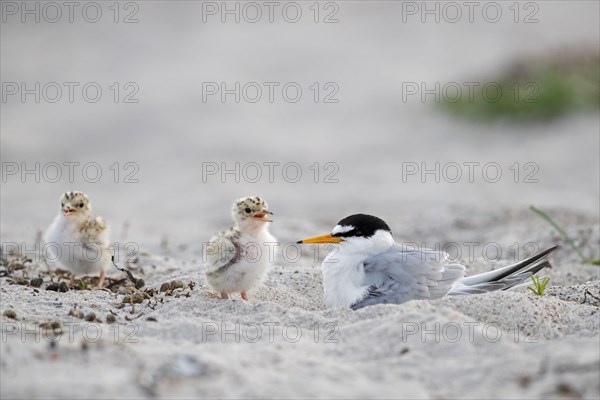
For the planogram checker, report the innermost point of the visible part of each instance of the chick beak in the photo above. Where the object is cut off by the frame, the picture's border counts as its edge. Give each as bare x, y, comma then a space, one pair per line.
262, 216
327, 238
68, 210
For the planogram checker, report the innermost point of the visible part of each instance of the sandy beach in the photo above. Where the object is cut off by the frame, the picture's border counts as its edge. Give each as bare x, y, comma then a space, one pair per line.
164, 190
193, 344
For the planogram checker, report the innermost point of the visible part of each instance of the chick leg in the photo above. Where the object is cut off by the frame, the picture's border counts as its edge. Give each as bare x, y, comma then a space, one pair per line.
244, 295
224, 295
101, 281
72, 280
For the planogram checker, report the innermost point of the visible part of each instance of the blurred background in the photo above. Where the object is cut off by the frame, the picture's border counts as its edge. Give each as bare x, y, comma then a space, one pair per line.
375, 93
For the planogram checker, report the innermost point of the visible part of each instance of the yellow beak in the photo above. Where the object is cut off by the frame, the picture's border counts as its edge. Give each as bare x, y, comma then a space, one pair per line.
327, 238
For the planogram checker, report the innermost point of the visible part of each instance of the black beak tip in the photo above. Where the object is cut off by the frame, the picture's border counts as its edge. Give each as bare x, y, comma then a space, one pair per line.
299, 242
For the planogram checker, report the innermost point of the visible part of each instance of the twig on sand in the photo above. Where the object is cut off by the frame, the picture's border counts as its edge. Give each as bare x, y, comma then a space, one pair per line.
133, 318
585, 295
129, 274
138, 283
116, 282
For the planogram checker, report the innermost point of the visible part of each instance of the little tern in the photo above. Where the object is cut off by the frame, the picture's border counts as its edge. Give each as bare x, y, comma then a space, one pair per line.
237, 259
77, 240
370, 268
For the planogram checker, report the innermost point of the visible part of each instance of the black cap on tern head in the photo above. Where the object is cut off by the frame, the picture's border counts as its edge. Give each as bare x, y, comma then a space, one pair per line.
363, 225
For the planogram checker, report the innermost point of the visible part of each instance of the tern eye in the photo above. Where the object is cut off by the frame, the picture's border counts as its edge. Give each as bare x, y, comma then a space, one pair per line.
248, 210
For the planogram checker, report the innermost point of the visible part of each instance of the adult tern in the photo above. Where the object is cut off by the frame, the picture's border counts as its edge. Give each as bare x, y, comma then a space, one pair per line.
370, 268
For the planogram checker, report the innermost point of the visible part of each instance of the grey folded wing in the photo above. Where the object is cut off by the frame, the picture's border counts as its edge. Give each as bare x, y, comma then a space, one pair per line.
95, 243
95, 231
219, 253
402, 274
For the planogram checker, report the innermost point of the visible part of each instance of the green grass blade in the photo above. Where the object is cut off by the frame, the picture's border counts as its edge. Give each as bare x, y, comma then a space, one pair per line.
544, 284
562, 233
539, 287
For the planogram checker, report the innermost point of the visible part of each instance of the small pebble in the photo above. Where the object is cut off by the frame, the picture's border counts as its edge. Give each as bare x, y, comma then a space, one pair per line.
58, 287
36, 282
171, 286
91, 317
10, 314
53, 325
136, 298
165, 286
77, 313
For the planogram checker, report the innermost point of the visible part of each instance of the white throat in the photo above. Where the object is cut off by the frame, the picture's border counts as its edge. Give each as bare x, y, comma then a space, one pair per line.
343, 271
253, 227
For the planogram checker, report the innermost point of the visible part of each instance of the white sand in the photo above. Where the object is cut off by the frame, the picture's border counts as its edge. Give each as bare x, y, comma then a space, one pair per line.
548, 347
499, 345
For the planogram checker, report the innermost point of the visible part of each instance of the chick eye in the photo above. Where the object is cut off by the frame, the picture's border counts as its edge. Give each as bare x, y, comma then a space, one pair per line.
248, 210
80, 205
